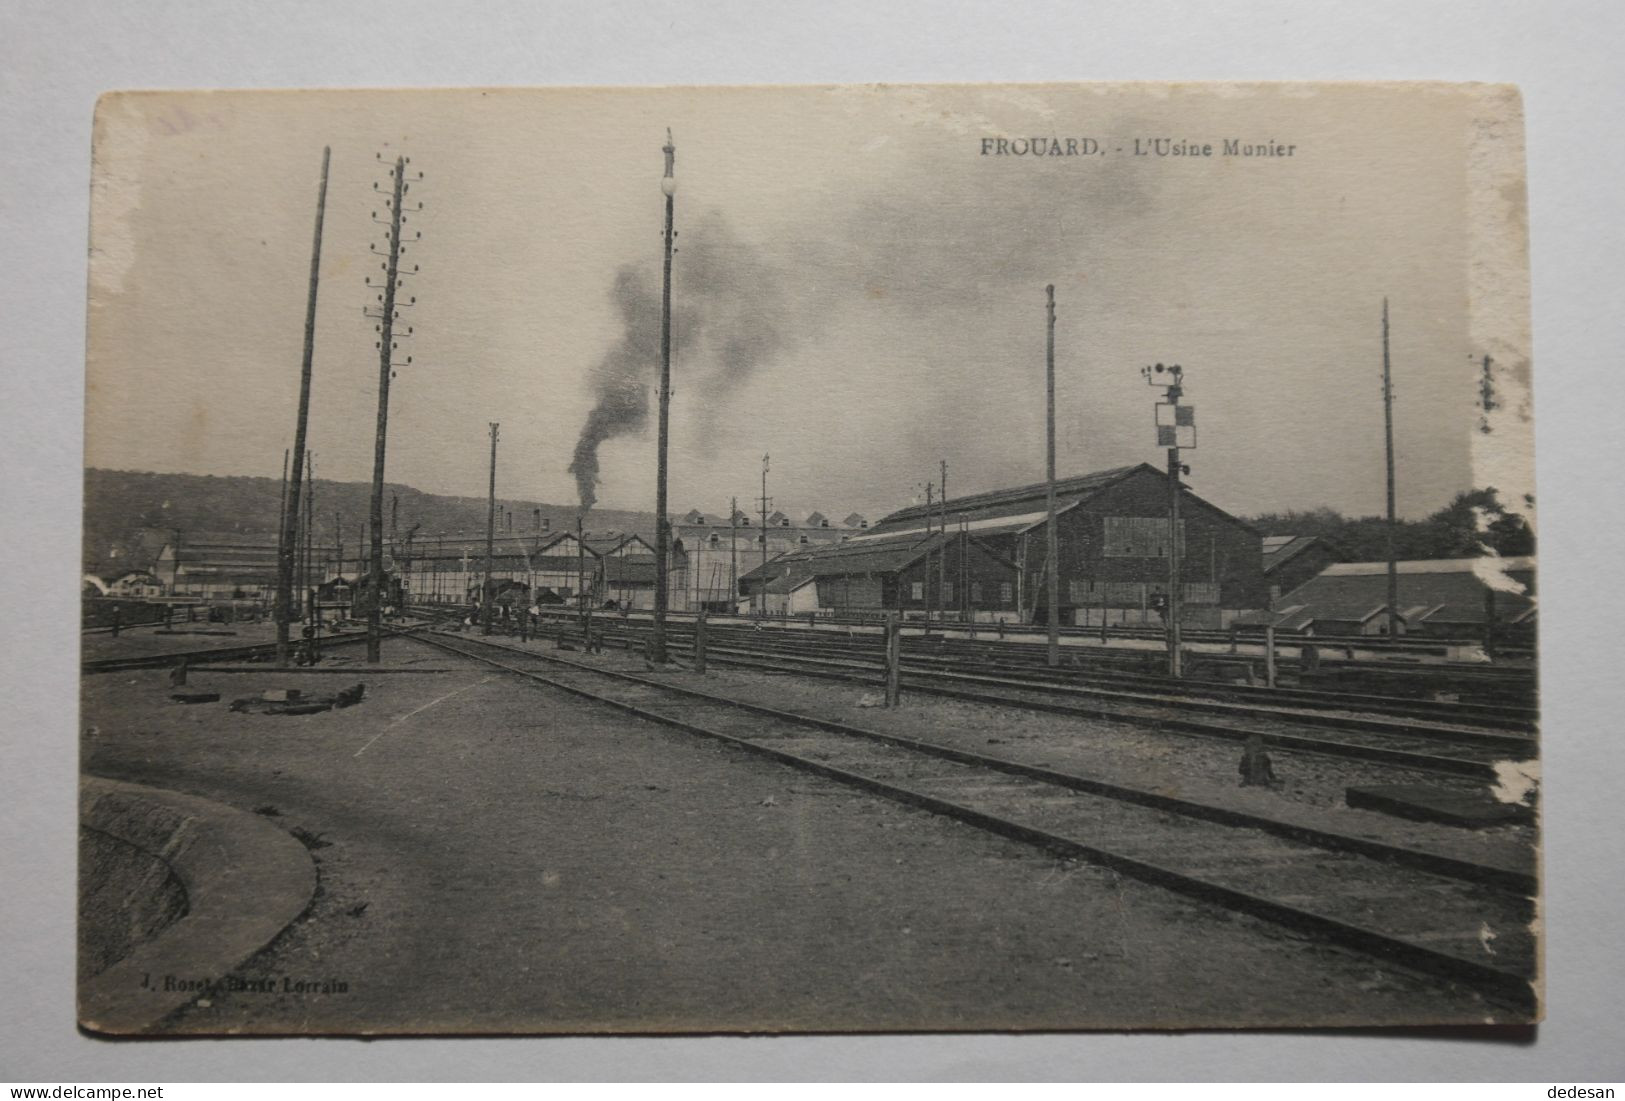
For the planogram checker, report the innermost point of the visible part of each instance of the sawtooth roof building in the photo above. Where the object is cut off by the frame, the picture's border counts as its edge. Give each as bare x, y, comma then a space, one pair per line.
1446, 598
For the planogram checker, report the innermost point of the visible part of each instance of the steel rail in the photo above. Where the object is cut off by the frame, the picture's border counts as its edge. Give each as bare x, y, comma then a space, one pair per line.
1496, 982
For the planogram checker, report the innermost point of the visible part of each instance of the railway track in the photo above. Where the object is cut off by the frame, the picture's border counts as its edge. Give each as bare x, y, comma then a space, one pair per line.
989, 658
198, 657
1421, 746
1452, 919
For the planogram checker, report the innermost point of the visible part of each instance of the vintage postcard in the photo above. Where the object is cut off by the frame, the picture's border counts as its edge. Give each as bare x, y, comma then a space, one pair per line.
809, 559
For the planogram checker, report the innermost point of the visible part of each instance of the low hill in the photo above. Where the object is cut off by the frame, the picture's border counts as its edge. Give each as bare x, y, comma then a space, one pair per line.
129, 514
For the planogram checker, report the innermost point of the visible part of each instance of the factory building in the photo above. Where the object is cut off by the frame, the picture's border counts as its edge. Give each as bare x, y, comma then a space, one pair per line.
1291, 560
721, 555
983, 556
554, 567
216, 566
1441, 598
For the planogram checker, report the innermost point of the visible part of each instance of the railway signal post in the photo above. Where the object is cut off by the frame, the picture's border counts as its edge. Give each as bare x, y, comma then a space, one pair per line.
1176, 429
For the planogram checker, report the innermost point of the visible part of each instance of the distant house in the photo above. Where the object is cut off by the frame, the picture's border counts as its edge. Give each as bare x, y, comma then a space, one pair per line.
1291, 560
855, 520
817, 520
139, 584
1443, 598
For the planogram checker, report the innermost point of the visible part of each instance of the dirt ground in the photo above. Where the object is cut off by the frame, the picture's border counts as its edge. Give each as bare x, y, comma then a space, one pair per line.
496, 857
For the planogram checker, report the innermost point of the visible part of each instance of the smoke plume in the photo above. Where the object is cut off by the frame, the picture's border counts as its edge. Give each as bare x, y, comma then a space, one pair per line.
728, 319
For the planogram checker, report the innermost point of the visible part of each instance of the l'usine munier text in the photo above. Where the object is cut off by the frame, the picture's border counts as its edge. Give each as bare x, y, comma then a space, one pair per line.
1229, 147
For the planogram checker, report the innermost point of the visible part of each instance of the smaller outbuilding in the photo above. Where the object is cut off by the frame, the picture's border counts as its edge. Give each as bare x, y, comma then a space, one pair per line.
1291, 560
1438, 598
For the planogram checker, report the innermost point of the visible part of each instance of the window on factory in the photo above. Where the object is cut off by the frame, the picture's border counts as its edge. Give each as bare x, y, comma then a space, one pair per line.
947, 594
917, 590
1078, 591
1139, 536
1007, 592
1201, 592
976, 592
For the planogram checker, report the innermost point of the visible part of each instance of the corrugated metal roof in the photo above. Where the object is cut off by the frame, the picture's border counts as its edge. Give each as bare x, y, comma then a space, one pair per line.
1080, 487
993, 520
1433, 566
1450, 590
1280, 549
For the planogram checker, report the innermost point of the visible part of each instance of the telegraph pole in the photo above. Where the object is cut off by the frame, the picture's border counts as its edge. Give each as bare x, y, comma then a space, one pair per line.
310, 532
487, 590
386, 369
657, 641
1052, 583
766, 502
288, 530
930, 598
733, 554
281, 542
1388, 441
942, 562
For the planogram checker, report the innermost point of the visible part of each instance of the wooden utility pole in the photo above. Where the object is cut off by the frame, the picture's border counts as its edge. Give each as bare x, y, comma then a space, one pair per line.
487, 588
1052, 583
386, 348
281, 542
1388, 441
733, 554
657, 641
765, 501
288, 530
310, 534
942, 561
930, 597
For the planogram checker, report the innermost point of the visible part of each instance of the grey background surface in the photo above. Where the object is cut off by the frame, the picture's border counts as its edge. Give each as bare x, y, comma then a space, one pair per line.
55, 58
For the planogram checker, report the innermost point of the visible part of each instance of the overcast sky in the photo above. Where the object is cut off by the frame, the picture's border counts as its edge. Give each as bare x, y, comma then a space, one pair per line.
860, 290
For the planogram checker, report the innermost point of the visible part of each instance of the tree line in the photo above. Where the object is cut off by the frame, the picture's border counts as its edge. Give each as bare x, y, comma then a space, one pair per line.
1473, 524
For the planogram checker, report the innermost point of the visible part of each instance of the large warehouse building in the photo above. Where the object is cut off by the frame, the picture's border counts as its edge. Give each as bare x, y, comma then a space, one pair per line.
982, 557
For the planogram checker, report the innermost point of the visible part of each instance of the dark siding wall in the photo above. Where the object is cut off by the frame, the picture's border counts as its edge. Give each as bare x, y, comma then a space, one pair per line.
857, 594
1221, 556
1219, 550
992, 582
1300, 569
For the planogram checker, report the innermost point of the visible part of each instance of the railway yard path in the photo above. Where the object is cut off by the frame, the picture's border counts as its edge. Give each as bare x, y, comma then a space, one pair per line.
495, 856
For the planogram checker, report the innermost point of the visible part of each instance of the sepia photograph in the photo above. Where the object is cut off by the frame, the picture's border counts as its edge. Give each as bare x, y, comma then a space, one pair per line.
809, 559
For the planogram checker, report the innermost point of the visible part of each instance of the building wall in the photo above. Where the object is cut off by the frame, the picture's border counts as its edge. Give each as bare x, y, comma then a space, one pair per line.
858, 595
1220, 566
1299, 569
977, 583
710, 576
